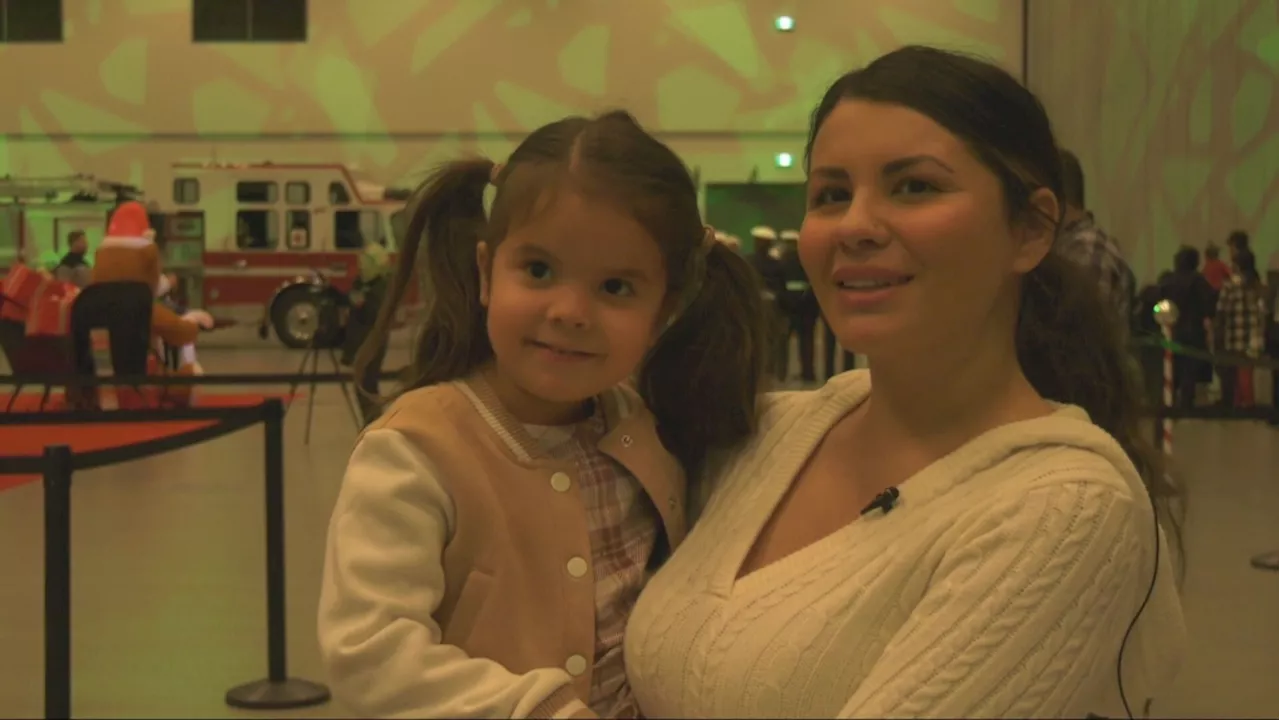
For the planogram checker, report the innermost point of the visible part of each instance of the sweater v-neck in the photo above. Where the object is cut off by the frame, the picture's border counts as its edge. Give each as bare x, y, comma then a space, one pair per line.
795, 449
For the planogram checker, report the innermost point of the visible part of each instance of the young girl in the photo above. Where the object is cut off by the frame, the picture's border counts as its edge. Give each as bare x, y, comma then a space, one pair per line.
497, 523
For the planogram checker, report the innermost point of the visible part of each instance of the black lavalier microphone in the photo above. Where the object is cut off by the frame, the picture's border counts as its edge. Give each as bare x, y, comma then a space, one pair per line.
885, 501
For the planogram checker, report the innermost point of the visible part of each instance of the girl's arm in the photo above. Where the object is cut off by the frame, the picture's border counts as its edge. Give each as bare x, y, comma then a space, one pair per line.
383, 581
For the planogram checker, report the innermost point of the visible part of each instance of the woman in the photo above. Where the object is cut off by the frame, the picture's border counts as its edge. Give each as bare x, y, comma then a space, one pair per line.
947, 534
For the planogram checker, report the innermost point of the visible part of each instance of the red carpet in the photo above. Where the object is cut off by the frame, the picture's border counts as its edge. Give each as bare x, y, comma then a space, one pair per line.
30, 440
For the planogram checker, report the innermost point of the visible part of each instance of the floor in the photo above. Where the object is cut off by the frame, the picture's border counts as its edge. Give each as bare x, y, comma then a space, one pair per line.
168, 578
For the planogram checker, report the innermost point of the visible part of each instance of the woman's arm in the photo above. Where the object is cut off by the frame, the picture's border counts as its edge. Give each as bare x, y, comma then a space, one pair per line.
383, 581
1022, 615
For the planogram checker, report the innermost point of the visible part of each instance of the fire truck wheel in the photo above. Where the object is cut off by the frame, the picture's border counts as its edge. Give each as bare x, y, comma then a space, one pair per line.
297, 317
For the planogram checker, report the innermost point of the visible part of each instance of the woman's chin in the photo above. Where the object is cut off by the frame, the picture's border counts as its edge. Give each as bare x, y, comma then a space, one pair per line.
868, 336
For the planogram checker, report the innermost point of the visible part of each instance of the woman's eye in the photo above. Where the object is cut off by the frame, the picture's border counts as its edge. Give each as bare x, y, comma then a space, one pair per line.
621, 288
912, 186
826, 196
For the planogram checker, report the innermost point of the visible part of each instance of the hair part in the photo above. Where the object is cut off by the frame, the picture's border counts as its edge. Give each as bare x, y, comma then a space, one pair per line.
703, 375
1070, 345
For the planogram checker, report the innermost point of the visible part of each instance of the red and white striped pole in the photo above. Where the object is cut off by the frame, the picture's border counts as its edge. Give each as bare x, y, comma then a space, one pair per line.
1166, 314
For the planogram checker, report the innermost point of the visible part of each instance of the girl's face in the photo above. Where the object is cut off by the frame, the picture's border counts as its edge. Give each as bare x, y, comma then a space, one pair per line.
906, 239
575, 298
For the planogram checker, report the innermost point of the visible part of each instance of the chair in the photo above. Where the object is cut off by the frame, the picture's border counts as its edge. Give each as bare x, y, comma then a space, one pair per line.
13, 338
12, 332
42, 355
123, 309
32, 356
12, 335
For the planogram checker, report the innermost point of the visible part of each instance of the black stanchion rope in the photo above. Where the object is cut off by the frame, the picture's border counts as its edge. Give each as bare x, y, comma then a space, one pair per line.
225, 422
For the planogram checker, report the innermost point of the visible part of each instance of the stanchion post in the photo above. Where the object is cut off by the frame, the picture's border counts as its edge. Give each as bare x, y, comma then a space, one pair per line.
273, 472
1166, 315
278, 691
57, 582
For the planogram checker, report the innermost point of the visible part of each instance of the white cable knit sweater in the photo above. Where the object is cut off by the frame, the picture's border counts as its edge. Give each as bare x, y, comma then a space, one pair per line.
1001, 585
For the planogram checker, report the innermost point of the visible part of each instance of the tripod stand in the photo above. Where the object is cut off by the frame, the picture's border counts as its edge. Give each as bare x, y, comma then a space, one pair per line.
326, 317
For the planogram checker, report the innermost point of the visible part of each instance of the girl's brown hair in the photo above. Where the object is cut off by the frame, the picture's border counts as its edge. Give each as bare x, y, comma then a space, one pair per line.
701, 378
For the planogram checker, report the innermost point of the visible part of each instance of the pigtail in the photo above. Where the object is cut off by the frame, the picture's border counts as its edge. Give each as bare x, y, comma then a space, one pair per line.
702, 378
448, 216
1073, 350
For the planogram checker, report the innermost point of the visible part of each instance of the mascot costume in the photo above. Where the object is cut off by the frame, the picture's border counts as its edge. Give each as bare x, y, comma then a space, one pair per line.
128, 253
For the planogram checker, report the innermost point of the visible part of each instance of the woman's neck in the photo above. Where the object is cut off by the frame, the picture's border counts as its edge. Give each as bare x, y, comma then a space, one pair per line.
938, 401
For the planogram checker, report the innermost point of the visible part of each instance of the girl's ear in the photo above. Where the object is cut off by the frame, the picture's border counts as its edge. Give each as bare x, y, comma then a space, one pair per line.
483, 259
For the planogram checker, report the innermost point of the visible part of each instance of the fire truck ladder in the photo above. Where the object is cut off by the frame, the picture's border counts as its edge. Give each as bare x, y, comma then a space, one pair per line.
70, 188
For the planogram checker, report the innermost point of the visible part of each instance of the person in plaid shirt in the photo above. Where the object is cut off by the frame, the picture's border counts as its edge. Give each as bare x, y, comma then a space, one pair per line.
1083, 241
1241, 316
587, 343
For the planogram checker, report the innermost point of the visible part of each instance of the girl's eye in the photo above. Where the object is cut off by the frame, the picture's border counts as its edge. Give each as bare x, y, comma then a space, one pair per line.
538, 270
621, 288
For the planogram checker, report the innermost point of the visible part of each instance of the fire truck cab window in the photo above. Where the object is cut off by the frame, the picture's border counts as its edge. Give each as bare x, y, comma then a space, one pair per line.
186, 191
256, 192
257, 230
353, 228
187, 225
297, 193
299, 230
338, 194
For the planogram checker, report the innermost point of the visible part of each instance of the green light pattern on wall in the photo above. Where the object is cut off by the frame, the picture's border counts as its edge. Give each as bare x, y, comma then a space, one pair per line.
1172, 109
398, 86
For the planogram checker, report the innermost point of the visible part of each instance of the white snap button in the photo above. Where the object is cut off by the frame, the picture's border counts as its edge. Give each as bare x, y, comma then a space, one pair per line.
560, 482
576, 665
577, 567
626, 441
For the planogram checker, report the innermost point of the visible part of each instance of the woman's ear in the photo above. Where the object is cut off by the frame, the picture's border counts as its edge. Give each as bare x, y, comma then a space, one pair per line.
1038, 231
483, 259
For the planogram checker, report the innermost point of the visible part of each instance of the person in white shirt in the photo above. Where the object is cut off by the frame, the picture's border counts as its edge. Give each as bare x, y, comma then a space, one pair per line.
969, 527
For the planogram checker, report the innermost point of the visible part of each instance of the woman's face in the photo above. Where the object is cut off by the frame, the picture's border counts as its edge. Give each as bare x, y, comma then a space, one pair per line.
906, 239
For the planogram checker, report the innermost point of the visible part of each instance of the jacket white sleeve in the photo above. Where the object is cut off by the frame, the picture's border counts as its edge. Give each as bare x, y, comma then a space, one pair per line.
383, 580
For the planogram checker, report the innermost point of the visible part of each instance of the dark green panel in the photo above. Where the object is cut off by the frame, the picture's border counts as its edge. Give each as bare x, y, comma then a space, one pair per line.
735, 208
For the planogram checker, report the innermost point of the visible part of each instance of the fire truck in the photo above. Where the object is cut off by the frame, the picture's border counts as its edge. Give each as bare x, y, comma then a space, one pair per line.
38, 214
278, 241
275, 243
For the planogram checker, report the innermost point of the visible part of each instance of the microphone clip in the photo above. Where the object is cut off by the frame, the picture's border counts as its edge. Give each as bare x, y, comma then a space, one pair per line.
884, 502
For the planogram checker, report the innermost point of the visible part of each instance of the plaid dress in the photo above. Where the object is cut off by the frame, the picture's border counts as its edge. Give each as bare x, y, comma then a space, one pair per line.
624, 527
1240, 316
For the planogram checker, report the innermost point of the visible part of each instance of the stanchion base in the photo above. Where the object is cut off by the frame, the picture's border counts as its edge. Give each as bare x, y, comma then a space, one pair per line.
283, 695
1266, 561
